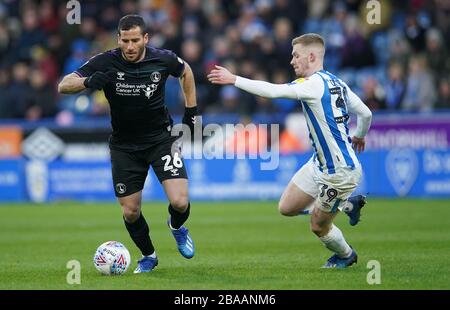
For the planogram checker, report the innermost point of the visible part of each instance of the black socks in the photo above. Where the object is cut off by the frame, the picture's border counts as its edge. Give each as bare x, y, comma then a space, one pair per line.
139, 232
177, 219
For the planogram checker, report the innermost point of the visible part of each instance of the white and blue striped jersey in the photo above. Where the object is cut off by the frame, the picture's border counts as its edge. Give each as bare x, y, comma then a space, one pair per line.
325, 99
326, 102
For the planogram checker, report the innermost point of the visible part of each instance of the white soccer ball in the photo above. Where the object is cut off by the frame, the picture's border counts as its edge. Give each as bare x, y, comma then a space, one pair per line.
112, 258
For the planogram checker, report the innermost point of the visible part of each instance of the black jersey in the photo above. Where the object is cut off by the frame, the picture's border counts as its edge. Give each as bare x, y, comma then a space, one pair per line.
135, 93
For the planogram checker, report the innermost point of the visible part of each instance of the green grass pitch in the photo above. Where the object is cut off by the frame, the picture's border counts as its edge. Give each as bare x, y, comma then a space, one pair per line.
239, 245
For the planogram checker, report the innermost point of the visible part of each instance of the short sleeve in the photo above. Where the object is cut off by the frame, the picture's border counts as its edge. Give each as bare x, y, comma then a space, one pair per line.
175, 65
96, 63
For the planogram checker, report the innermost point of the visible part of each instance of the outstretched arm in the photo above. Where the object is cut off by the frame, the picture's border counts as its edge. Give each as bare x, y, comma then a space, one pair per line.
71, 84
222, 76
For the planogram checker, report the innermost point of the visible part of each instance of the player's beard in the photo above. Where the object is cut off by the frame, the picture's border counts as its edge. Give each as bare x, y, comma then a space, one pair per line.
138, 55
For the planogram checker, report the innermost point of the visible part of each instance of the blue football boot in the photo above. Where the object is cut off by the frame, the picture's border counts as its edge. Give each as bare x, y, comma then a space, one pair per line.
358, 203
339, 263
184, 241
146, 264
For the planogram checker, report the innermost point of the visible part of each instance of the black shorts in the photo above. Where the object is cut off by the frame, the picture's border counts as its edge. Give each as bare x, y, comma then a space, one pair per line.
129, 169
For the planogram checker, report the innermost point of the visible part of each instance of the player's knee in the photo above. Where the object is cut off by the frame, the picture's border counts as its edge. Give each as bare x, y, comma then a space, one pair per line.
180, 202
317, 229
131, 214
285, 209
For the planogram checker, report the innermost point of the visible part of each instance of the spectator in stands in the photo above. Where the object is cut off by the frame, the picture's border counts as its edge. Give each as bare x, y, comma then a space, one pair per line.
229, 98
333, 30
128, 7
191, 51
46, 63
283, 34
79, 56
109, 17
5, 42
171, 38
31, 35
3, 10
443, 101
398, 49
19, 89
356, 51
415, 33
294, 10
373, 94
436, 53
88, 29
420, 92
250, 25
6, 102
40, 101
47, 16
442, 16
395, 86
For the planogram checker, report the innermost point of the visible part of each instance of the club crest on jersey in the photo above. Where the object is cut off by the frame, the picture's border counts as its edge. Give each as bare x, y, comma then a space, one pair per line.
149, 90
120, 76
155, 77
300, 80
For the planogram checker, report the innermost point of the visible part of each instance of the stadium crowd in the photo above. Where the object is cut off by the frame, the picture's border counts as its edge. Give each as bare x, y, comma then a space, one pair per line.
401, 63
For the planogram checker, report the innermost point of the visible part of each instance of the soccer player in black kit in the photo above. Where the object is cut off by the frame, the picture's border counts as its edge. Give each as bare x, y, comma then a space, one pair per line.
133, 77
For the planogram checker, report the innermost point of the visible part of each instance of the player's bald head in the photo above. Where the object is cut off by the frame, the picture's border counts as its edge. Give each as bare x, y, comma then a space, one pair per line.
312, 42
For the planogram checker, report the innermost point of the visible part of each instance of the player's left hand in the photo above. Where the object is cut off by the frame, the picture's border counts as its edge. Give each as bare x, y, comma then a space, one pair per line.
358, 144
221, 76
191, 117
98, 80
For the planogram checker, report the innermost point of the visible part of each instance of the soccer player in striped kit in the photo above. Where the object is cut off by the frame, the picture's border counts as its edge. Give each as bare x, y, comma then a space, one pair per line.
328, 179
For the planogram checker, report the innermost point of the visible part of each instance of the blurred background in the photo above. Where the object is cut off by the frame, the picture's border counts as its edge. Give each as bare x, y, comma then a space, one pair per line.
54, 147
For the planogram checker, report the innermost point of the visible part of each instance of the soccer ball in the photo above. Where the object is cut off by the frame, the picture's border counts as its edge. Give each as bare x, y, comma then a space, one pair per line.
112, 258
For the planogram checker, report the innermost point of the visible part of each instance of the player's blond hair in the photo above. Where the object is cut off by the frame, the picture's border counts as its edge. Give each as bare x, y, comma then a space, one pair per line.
309, 39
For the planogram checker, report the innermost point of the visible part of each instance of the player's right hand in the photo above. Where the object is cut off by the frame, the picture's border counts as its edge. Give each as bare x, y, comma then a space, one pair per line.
98, 80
